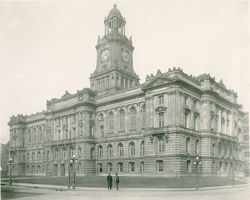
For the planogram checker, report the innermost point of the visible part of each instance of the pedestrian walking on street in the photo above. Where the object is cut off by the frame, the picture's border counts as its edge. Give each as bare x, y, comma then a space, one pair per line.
117, 180
109, 181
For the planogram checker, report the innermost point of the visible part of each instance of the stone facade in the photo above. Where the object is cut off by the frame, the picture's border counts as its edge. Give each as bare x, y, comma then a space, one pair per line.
119, 125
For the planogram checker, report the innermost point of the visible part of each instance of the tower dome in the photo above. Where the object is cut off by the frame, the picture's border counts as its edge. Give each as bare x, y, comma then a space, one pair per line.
114, 12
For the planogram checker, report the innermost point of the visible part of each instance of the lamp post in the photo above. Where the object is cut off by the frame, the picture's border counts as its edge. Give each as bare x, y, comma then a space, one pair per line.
197, 162
11, 164
232, 166
73, 161
69, 157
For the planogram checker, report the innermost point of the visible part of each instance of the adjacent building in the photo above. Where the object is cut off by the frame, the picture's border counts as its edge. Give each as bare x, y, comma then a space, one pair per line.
158, 127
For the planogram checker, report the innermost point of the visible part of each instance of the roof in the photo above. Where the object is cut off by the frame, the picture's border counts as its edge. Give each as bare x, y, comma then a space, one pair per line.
114, 12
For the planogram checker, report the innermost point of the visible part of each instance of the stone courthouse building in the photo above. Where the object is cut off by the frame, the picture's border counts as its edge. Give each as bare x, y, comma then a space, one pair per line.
119, 125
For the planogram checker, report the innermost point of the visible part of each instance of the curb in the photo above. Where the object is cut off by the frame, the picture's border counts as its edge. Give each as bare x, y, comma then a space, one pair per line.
64, 188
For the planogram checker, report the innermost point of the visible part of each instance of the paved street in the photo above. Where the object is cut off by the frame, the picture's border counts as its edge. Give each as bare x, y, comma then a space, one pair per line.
28, 193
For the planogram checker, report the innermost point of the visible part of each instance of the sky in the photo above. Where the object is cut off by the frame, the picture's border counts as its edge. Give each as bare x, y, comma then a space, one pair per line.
48, 47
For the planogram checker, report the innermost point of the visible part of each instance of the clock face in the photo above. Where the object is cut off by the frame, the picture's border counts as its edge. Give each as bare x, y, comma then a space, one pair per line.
125, 55
105, 55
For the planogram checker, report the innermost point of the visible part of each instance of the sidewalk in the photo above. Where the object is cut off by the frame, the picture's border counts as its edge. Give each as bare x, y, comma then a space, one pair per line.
65, 188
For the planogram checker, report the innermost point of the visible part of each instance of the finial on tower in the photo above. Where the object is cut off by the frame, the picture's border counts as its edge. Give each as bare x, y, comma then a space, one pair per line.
114, 5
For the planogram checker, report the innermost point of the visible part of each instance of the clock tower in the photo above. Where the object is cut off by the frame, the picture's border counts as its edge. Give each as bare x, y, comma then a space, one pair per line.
114, 66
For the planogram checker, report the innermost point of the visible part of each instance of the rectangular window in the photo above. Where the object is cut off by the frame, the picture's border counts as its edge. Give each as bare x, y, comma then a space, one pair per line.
92, 151
195, 122
186, 100
133, 121
142, 167
99, 167
80, 130
73, 118
188, 166
131, 167
186, 120
161, 119
161, 146
195, 104
120, 167
109, 167
143, 119
102, 131
161, 100
159, 165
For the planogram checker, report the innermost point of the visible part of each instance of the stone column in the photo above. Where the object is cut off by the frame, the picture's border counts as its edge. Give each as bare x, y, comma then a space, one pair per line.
115, 121
126, 124
147, 109
205, 114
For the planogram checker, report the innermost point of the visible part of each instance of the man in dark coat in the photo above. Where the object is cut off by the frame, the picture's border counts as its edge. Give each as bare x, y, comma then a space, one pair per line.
109, 181
117, 181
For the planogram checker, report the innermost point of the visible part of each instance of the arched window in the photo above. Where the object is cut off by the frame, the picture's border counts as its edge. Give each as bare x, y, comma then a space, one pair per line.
79, 152
100, 151
133, 118
121, 119
143, 115
197, 147
187, 145
142, 148
131, 149
110, 121
120, 149
110, 151
33, 157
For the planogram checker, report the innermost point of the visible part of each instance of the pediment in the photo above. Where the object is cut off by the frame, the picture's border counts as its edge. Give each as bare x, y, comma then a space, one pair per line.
157, 82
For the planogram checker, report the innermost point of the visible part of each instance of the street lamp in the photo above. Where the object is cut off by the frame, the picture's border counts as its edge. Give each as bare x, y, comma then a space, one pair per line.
11, 164
73, 161
197, 162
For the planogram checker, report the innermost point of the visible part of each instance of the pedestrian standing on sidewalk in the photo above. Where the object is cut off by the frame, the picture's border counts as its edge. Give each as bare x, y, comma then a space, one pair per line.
109, 181
117, 180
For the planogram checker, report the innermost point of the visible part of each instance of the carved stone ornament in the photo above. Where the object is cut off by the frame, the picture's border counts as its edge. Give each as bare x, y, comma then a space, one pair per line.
160, 109
157, 81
